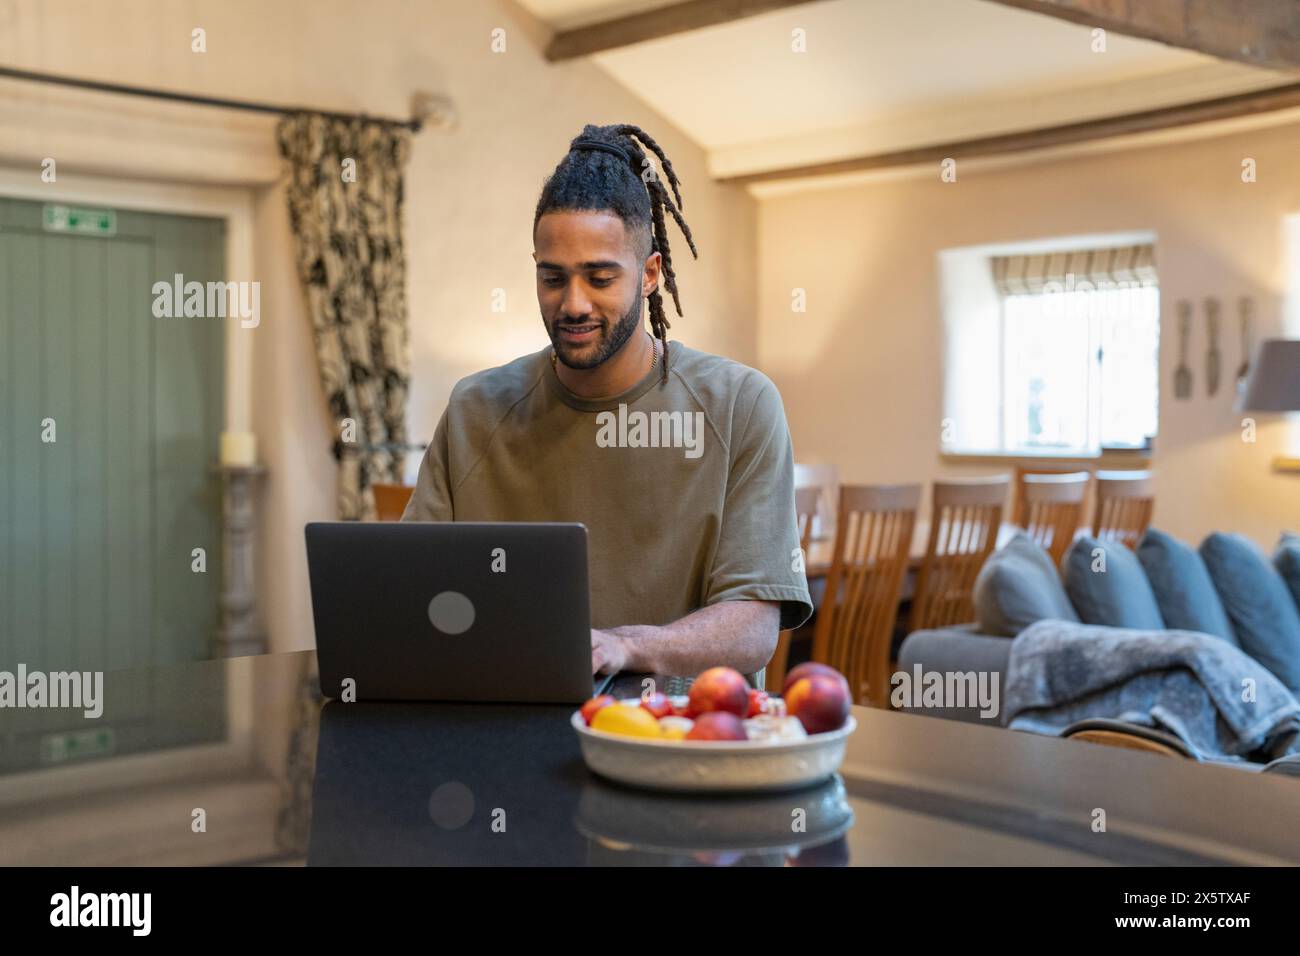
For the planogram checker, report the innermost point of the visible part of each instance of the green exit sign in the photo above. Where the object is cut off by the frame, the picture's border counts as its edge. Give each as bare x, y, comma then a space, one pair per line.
81, 220
78, 745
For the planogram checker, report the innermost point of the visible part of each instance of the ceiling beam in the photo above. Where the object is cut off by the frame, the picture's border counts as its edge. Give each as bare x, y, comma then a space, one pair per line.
1263, 33
1166, 117
655, 24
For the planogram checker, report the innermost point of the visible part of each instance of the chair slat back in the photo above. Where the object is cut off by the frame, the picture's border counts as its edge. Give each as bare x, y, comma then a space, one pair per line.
390, 501
855, 624
964, 522
806, 501
1052, 509
1018, 504
805, 510
1125, 503
826, 479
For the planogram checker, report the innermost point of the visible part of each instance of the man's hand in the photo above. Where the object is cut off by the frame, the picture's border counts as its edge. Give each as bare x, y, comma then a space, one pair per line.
609, 652
739, 634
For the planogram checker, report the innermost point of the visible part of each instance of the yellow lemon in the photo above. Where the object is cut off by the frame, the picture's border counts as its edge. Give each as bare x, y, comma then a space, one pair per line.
629, 721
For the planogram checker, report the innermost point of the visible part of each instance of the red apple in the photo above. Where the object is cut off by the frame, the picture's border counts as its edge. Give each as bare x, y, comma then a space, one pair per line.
808, 669
821, 703
596, 703
657, 704
757, 700
720, 689
683, 710
717, 725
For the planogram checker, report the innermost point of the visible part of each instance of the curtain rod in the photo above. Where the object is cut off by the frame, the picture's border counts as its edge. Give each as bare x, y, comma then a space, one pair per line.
414, 125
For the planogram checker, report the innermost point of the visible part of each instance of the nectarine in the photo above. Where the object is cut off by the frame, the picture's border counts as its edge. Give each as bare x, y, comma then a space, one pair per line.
821, 703
720, 689
717, 725
808, 669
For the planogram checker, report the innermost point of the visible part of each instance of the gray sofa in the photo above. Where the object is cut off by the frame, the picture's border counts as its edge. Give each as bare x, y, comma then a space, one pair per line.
1163, 585
956, 649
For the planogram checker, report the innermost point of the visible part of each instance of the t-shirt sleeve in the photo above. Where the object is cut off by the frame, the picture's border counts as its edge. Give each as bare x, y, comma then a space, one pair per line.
431, 499
758, 554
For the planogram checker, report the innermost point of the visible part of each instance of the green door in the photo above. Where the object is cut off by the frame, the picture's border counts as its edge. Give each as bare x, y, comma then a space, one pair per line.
99, 525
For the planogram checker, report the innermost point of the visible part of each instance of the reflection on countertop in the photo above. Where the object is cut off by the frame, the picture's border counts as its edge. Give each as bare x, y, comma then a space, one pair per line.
241, 761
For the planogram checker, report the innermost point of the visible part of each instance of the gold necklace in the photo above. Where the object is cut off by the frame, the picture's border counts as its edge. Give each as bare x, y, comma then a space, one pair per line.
654, 355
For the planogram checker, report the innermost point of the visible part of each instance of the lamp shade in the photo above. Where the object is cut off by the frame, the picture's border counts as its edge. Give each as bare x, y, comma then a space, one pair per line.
1274, 383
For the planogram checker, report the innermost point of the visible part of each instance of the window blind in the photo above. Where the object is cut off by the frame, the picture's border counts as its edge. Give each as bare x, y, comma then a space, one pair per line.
1114, 267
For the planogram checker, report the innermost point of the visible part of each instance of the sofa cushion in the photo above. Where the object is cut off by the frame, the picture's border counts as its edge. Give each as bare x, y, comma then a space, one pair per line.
1182, 586
1017, 586
1287, 562
1107, 585
1256, 599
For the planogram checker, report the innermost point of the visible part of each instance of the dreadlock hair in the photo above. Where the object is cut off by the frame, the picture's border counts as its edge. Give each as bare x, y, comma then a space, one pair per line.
606, 168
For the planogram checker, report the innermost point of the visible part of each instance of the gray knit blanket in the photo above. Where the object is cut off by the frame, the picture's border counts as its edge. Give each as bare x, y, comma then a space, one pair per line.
1224, 705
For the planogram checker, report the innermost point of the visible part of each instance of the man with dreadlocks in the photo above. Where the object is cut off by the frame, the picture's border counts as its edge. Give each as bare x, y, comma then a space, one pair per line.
678, 462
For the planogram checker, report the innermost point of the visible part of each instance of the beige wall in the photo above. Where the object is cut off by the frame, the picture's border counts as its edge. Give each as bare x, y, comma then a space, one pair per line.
861, 371
470, 192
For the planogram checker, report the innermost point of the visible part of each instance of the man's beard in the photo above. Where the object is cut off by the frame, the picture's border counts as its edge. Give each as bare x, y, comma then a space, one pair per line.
609, 344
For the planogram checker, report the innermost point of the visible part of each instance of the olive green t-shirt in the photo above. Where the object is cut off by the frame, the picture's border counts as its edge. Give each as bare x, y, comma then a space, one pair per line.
686, 487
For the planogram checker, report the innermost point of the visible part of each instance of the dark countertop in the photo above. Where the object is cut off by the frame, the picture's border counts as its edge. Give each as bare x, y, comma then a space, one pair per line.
240, 761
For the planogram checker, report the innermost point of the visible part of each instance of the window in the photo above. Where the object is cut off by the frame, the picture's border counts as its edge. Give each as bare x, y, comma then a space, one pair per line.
1051, 352
1080, 370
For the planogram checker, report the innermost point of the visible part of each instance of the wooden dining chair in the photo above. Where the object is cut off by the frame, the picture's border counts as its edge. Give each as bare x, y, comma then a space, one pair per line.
855, 624
1111, 732
390, 501
1051, 509
1125, 501
1021, 472
826, 479
965, 518
805, 509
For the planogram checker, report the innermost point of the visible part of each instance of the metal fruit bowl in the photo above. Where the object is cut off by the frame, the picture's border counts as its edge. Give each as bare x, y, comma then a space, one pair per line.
712, 765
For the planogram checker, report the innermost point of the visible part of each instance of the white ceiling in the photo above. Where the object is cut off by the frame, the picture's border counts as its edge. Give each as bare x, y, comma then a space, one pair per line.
883, 75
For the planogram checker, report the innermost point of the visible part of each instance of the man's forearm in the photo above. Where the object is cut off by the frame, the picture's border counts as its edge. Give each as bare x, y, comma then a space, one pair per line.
739, 634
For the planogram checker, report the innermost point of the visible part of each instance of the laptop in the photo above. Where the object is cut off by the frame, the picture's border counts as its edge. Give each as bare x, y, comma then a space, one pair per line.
457, 611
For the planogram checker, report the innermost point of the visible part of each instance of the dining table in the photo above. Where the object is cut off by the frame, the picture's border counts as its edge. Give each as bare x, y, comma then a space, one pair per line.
821, 547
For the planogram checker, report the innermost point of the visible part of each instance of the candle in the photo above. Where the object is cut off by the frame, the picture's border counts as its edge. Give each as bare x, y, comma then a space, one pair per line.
238, 449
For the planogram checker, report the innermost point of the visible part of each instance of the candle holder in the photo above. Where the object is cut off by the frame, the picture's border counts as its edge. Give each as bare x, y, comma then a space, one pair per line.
239, 634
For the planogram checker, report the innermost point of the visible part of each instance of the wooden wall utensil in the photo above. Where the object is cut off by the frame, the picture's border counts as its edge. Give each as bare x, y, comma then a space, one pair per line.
1213, 357
1183, 374
1244, 307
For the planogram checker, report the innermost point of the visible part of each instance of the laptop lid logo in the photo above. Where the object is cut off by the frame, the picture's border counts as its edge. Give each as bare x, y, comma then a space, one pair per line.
451, 612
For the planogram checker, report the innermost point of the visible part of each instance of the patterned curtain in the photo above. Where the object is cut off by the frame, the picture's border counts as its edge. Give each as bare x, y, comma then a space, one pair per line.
345, 191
